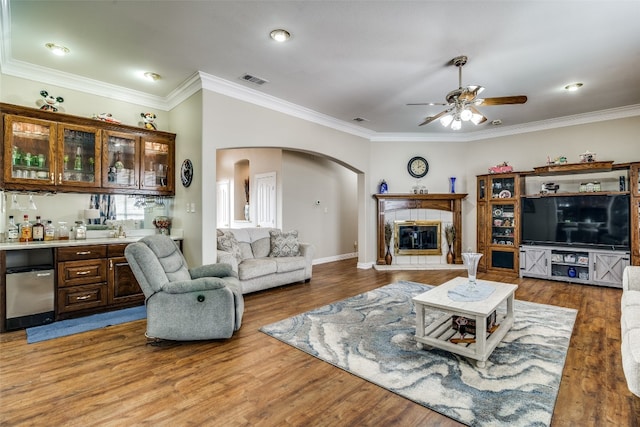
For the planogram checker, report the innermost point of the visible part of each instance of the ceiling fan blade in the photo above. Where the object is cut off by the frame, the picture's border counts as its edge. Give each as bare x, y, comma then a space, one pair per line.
437, 116
469, 93
504, 100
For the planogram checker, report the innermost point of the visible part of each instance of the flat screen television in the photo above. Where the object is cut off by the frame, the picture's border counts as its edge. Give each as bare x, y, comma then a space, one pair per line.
598, 221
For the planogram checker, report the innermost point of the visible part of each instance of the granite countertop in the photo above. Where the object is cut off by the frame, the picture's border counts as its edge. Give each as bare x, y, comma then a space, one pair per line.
93, 238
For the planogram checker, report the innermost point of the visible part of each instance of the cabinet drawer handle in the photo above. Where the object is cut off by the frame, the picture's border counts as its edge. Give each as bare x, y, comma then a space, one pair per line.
53, 177
83, 297
60, 177
83, 253
110, 264
82, 273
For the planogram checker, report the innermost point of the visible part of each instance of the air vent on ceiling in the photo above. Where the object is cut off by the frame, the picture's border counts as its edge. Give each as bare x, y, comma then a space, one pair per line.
360, 119
254, 79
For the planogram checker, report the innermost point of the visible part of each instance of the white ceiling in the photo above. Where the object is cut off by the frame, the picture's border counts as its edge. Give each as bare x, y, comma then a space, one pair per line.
347, 59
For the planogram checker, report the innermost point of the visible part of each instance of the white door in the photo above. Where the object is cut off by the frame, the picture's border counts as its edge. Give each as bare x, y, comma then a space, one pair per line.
224, 204
265, 195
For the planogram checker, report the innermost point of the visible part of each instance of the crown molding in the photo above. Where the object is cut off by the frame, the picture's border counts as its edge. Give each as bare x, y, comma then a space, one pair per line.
237, 91
496, 132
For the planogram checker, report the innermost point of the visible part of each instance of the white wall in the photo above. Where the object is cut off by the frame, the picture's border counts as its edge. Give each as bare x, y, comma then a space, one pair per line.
331, 225
231, 123
186, 122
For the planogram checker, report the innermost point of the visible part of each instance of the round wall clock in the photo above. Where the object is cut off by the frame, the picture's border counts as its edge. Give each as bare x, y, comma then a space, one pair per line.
418, 167
186, 172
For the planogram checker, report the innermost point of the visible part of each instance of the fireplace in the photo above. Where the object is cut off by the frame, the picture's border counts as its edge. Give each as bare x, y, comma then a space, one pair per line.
417, 238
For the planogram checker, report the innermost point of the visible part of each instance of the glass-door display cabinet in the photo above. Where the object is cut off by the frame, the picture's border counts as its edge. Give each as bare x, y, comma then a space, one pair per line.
157, 164
29, 150
78, 156
121, 161
498, 214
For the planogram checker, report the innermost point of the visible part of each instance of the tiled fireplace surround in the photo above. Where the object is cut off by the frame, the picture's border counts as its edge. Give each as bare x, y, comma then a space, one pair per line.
446, 208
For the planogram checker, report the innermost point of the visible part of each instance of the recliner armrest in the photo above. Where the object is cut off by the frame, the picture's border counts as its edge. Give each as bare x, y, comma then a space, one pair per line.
195, 285
213, 270
631, 278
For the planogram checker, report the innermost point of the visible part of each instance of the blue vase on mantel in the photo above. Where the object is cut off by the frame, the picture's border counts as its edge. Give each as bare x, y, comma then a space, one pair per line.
383, 187
452, 181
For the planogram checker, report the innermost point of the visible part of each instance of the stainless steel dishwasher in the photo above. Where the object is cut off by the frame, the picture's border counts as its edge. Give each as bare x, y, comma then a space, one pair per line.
30, 281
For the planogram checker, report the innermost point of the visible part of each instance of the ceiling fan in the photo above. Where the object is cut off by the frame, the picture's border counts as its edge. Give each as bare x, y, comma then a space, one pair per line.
462, 102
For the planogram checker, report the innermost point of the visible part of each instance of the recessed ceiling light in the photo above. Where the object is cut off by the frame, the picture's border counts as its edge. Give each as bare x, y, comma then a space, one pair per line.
151, 76
496, 122
57, 49
573, 87
280, 35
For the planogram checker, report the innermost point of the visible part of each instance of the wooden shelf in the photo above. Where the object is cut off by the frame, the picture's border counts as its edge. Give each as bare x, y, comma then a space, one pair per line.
573, 168
584, 193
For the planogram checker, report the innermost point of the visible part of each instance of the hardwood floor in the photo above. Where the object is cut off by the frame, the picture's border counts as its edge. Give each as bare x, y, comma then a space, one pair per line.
111, 377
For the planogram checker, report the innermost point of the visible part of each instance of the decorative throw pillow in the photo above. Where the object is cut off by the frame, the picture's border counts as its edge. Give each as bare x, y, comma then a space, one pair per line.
284, 244
227, 242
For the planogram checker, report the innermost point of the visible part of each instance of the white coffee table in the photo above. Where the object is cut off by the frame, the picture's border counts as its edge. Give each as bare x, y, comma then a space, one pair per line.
439, 332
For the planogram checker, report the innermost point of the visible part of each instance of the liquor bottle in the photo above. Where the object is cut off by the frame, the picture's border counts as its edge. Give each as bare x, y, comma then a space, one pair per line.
25, 230
49, 231
38, 230
78, 161
13, 233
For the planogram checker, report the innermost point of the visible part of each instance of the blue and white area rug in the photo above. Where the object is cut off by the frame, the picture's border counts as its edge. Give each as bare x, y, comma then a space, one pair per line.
83, 324
371, 335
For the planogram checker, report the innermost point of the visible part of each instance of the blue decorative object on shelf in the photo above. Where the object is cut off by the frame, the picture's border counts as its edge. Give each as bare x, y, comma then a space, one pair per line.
383, 189
453, 184
571, 272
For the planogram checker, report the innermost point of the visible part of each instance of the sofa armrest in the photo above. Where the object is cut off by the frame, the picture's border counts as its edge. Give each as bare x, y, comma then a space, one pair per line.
631, 278
307, 250
224, 257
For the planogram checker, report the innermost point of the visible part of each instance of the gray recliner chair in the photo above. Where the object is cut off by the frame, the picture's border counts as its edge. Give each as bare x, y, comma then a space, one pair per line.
184, 304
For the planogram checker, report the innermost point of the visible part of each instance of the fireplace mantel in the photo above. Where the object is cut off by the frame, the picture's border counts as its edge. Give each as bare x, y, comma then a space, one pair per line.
451, 202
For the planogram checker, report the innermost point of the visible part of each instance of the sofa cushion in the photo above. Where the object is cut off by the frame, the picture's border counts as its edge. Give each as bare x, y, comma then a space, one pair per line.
630, 298
286, 264
261, 247
284, 244
256, 267
228, 243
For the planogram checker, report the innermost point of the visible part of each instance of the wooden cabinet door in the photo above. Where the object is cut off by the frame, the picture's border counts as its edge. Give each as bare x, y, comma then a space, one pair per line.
156, 169
120, 160
78, 158
29, 153
534, 262
123, 286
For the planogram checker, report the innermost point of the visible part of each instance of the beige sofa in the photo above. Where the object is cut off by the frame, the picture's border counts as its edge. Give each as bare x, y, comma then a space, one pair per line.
265, 257
630, 327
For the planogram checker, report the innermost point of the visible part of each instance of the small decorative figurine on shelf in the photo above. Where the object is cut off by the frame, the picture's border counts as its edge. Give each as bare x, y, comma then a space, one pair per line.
148, 120
50, 102
587, 157
106, 117
501, 168
560, 160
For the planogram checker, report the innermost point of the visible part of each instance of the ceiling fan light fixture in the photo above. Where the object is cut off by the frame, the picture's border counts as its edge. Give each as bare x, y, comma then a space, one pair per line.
466, 115
446, 120
280, 35
57, 49
456, 124
573, 87
476, 119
